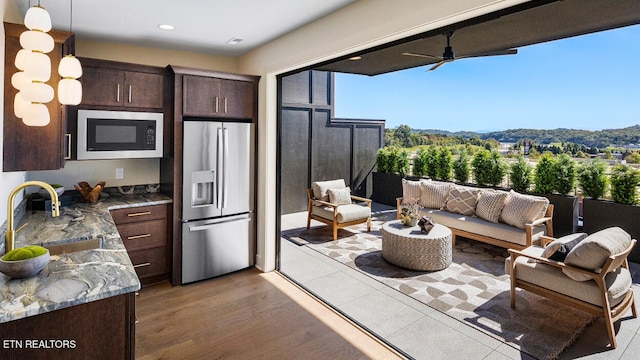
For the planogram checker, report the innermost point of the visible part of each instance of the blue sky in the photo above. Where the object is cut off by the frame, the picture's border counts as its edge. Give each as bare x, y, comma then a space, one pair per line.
588, 82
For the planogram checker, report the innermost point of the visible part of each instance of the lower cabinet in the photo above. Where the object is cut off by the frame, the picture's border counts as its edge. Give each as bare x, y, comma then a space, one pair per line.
144, 233
102, 329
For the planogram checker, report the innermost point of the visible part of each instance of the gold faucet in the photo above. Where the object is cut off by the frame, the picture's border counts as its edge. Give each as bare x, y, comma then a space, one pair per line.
11, 233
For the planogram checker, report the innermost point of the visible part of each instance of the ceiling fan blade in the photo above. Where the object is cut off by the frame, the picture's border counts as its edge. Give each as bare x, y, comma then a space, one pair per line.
423, 55
438, 65
491, 53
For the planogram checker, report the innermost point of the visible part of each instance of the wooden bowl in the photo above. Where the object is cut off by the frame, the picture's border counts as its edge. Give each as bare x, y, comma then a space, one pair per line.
24, 268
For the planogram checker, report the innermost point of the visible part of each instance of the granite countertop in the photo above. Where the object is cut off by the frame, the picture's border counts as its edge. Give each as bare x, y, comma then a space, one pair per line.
79, 277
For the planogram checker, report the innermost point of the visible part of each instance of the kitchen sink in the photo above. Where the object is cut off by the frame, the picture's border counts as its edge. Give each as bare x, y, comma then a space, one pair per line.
74, 246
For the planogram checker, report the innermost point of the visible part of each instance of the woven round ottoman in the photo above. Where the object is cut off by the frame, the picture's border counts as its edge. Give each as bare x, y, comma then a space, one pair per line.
409, 248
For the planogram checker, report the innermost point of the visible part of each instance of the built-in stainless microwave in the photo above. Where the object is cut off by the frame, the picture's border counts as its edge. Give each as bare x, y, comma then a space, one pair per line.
104, 134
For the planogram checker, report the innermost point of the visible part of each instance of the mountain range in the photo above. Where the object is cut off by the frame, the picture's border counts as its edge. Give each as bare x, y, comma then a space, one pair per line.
599, 138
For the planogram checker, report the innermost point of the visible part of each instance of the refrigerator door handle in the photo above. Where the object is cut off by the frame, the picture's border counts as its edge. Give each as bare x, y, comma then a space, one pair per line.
225, 140
219, 169
194, 228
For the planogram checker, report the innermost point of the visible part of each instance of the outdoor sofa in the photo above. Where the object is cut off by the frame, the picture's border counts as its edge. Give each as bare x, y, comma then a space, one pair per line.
504, 218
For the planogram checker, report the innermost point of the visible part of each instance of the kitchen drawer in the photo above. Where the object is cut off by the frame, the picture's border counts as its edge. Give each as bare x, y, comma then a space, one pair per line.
138, 214
144, 235
149, 262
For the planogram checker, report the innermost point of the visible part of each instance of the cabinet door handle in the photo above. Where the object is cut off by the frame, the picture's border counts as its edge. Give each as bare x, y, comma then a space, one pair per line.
225, 105
141, 265
139, 214
138, 236
118, 94
217, 105
129, 94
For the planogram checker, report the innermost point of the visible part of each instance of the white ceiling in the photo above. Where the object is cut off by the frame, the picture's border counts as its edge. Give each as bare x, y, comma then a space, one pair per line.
200, 25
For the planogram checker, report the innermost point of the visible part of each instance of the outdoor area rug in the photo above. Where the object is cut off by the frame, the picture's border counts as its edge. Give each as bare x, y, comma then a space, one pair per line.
474, 289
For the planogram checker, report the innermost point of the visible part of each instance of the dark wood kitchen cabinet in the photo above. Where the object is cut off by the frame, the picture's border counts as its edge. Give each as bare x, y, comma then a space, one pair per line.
144, 233
102, 329
118, 85
28, 148
214, 97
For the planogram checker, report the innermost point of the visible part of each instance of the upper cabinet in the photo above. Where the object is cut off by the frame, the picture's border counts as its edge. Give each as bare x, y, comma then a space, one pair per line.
28, 148
117, 85
217, 97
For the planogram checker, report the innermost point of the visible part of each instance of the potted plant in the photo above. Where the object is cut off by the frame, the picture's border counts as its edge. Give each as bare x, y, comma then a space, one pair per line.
392, 165
410, 213
488, 168
600, 214
566, 207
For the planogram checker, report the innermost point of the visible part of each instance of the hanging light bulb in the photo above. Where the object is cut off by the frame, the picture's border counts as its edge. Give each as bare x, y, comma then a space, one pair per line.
37, 91
19, 80
34, 40
19, 105
37, 18
38, 66
36, 114
21, 59
69, 88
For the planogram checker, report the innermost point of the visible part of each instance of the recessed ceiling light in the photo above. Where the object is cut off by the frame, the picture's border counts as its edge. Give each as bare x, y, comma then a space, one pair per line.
355, 58
233, 41
166, 27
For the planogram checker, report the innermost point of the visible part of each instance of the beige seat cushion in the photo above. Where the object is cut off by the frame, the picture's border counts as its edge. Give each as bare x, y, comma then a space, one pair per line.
618, 282
476, 225
520, 209
462, 200
346, 213
490, 205
339, 196
320, 188
411, 191
593, 251
433, 194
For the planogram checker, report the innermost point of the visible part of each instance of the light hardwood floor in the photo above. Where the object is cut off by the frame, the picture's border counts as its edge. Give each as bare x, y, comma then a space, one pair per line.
245, 315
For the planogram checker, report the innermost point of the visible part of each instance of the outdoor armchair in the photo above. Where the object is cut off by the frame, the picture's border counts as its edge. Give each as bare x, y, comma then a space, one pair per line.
593, 277
331, 202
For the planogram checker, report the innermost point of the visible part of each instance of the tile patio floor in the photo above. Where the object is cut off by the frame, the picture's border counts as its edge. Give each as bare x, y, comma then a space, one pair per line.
417, 330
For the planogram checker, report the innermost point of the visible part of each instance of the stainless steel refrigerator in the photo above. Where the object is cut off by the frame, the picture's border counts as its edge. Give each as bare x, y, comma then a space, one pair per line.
218, 232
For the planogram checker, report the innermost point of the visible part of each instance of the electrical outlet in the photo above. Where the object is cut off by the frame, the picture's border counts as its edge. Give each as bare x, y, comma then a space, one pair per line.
119, 173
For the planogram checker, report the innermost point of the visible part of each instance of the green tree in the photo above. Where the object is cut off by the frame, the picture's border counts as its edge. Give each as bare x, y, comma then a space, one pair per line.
607, 154
488, 168
624, 183
418, 163
520, 173
592, 177
431, 162
403, 134
633, 158
544, 177
444, 164
564, 171
461, 169
498, 169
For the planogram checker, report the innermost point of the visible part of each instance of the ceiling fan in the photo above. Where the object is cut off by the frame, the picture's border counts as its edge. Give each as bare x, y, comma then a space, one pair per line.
449, 55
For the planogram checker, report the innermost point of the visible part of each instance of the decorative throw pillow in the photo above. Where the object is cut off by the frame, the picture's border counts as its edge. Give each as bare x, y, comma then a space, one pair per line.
592, 252
462, 200
433, 194
490, 205
320, 188
559, 248
520, 209
340, 196
411, 191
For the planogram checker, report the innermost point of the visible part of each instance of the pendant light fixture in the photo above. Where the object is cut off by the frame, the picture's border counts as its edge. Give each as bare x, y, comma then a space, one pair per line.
69, 88
35, 69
